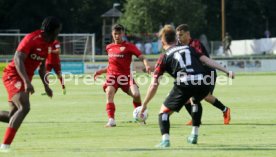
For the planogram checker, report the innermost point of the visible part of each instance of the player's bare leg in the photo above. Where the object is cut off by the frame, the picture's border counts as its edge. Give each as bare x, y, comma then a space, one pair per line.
62, 83
48, 73
215, 102
5, 115
110, 106
22, 103
135, 94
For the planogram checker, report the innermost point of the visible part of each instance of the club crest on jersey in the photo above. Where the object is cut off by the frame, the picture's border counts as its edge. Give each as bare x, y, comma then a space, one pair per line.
18, 85
122, 48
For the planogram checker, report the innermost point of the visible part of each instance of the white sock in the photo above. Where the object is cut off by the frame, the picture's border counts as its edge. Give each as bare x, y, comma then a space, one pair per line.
195, 130
165, 137
111, 120
4, 146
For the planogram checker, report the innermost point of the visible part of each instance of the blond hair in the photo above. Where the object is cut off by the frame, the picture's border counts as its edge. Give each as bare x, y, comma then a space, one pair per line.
168, 32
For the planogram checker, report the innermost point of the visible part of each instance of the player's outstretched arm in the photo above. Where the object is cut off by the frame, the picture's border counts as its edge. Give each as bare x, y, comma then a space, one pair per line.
43, 77
146, 63
99, 72
19, 59
150, 93
211, 63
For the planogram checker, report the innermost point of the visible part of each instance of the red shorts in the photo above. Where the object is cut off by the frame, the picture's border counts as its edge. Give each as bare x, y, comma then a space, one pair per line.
13, 84
122, 81
56, 67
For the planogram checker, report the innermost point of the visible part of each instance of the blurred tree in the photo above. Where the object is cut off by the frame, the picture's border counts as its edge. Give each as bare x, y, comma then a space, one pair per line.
244, 19
147, 16
76, 15
213, 18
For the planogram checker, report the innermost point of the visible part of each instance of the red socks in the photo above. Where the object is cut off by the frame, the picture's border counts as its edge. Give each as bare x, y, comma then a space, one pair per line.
9, 135
110, 109
136, 104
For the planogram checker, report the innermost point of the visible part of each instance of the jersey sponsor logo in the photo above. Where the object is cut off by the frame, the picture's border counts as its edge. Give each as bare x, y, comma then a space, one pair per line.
110, 55
38, 49
18, 84
36, 57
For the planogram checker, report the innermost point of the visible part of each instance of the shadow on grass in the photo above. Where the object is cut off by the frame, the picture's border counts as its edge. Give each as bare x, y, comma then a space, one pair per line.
198, 147
132, 122
201, 147
246, 124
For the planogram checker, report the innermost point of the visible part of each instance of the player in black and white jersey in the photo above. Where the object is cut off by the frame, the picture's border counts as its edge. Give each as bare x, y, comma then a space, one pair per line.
183, 64
184, 38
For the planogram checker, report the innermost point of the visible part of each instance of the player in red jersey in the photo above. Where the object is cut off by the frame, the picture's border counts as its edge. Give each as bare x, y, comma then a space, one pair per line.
30, 53
118, 71
184, 38
53, 62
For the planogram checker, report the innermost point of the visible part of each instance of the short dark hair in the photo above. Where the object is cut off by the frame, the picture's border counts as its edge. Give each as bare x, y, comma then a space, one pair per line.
168, 32
183, 27
50, 24
118, 27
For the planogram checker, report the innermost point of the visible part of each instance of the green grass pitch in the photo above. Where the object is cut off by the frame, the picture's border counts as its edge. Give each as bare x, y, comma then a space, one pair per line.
73, 125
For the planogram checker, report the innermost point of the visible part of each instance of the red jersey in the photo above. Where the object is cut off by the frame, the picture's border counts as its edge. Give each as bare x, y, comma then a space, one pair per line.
120, 57
53, 58
36, 49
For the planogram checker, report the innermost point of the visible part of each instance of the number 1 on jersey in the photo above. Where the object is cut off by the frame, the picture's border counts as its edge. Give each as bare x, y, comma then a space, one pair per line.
179, 58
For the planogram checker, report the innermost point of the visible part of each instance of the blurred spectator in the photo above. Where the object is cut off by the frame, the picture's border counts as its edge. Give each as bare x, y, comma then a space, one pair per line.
140, 46
267, 33
148, 48
226, 44
155, 49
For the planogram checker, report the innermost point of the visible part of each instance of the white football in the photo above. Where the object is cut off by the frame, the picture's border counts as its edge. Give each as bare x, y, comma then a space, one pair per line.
136, 114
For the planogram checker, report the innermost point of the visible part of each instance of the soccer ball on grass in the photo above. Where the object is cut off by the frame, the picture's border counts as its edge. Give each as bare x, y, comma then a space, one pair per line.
136, 114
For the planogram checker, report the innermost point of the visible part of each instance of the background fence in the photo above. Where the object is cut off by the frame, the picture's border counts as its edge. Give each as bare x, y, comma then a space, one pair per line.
71, 44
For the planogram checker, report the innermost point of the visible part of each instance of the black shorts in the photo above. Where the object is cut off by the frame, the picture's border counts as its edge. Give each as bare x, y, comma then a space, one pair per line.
179, 95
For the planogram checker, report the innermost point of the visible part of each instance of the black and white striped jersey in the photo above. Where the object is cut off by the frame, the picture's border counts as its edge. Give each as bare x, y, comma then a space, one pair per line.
181, 62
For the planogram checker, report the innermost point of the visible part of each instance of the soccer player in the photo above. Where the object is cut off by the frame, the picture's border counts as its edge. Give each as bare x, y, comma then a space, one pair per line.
31, 52
184, 38
53, 62
183, 64
226, 44
118, 72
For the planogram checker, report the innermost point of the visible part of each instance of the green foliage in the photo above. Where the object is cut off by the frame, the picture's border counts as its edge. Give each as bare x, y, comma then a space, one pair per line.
244, 19
147, 16
78, 16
